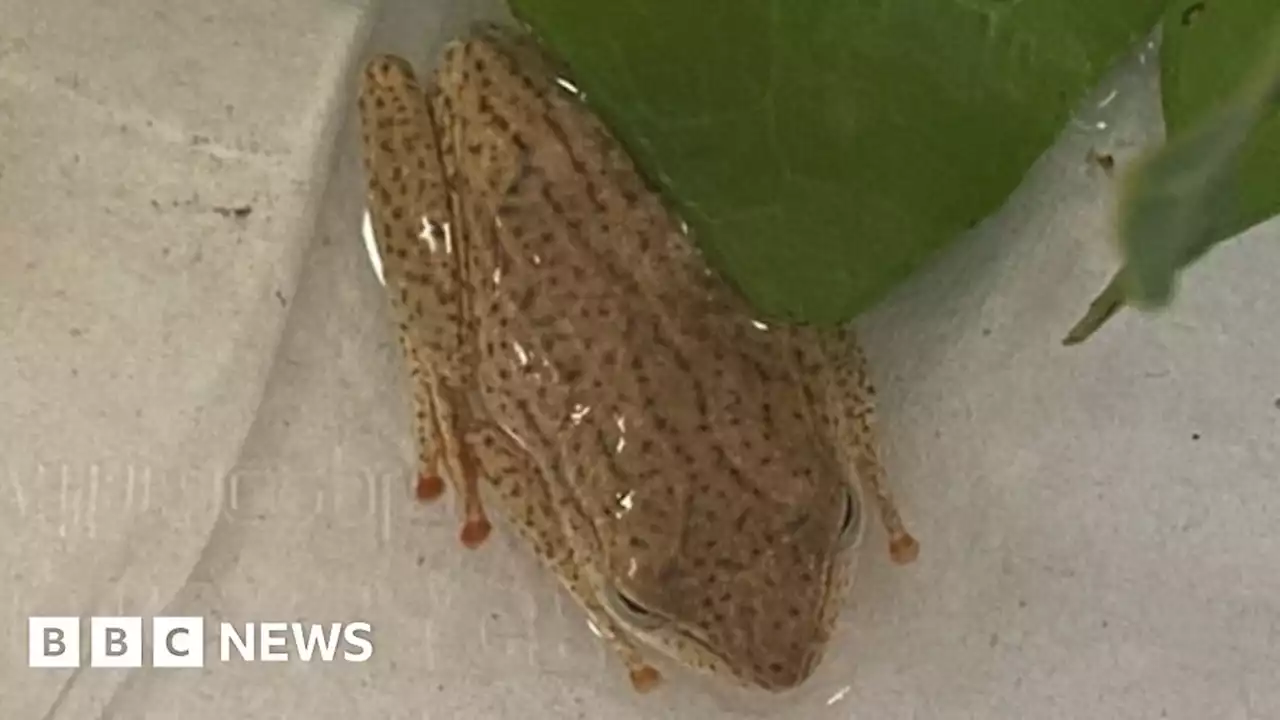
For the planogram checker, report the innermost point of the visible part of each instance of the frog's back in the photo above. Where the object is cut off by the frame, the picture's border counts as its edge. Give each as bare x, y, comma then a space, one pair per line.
602, 336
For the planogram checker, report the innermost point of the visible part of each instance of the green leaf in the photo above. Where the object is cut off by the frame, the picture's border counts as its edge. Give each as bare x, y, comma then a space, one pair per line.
822, 150
1109, 302
1224, 54
1219, 172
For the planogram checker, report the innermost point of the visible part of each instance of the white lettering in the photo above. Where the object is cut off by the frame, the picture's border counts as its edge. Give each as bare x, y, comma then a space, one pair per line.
328, 644
360, 635
244, 643
271, 637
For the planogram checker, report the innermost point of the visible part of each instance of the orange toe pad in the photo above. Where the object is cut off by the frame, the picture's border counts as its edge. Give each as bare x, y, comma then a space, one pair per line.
904, 549
645, 678
429, 487
475, 532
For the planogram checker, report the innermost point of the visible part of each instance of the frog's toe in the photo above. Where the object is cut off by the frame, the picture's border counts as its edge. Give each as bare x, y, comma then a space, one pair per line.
430, 486
475, 531
903, 548
645, 677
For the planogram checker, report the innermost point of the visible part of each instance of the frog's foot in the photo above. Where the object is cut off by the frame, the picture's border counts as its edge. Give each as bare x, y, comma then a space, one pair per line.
903, 549
476, 526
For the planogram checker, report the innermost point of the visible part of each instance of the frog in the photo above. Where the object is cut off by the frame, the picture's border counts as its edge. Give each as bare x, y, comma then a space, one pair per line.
696, 478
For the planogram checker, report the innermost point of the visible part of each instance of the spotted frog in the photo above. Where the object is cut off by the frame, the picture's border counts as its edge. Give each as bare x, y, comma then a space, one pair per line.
696, 478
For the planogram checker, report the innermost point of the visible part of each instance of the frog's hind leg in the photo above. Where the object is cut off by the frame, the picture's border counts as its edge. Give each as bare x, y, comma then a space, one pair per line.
526, 502
476, 526
441, 419
410, 208
436, 425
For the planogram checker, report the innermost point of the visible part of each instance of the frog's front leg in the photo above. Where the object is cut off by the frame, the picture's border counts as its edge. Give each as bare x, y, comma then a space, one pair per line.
851, 408
527, 503
903, 548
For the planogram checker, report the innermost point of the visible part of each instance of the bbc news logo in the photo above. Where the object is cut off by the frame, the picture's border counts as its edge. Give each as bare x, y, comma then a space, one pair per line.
179, 642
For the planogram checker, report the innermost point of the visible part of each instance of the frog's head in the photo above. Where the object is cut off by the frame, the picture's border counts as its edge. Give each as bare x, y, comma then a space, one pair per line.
730, 550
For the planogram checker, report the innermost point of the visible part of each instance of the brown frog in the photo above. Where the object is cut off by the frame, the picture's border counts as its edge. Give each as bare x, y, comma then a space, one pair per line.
697, 479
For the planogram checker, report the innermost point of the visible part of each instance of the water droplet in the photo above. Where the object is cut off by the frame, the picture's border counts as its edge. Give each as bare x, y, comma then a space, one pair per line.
839, 695
371, 247
627, 500
567, 85
621, 422
429, 232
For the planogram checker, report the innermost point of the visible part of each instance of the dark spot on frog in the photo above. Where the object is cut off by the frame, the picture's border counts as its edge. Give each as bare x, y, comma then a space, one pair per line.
1195, 436
239, 213
281, 298
1104, 160
76, 332
1192, 12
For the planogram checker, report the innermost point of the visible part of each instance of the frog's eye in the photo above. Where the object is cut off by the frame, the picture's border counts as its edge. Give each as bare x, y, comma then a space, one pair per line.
631, 611
851, 524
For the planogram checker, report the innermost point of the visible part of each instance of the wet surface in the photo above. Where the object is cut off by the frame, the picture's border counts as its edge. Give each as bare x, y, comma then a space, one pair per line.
1083, 554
